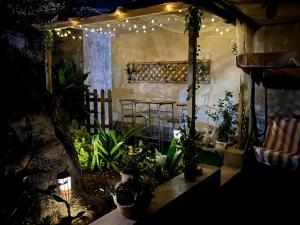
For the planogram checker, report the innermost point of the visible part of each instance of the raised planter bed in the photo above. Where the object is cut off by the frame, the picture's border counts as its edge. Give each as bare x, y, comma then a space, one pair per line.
173, 197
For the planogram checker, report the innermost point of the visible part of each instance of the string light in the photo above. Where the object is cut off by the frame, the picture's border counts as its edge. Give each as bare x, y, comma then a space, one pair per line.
227, 29
80, 37
144, 27
217, 29
152, 21
160, 25
213, 19
221, 33
129, 28
80, 26
73, 37
137, 31
86, 29
180, 10
69, 32
134, 25
127, 21
123, 25
108, 25
153, 29
86, 35
144, 31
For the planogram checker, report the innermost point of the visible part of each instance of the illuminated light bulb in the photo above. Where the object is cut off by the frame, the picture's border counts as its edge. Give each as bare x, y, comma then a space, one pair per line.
175, 19
101, 32
80, 37
180, 10
144, 27
105, 33
86, 29
137, 31
123, 25
168, 18
73, 37
114, 29
213, 19
86, 35
168, 7
127, 21
144, 31
160, 25
109, 32
152, 29
221, 33
129, 28
119, 25
152, 21
217, 29
69, 32
203, 25
108, 25
65, 34
134, 26
62, 35
227, 29
100, 28
80, 26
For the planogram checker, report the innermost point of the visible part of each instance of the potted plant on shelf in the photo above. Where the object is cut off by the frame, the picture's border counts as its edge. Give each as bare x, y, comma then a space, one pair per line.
130, 70
224, 117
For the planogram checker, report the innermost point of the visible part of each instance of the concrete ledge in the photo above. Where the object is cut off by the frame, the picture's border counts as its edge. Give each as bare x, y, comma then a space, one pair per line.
170, 195
228, 172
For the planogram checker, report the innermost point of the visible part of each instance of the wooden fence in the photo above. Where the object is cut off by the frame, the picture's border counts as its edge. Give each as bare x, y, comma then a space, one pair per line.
99, 108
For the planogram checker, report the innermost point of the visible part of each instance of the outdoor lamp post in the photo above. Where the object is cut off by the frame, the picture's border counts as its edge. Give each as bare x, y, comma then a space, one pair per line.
65, 187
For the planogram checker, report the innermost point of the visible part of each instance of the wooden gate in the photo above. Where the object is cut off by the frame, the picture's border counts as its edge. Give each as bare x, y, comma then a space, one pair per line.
100, 109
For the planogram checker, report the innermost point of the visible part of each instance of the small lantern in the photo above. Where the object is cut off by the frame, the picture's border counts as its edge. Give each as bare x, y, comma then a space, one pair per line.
177, 134
65, 188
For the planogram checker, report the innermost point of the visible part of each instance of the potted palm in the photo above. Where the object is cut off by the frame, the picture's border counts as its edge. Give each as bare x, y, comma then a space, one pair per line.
224, 117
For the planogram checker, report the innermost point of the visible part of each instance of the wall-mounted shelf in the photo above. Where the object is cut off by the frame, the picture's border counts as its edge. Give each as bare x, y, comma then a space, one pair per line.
166, 72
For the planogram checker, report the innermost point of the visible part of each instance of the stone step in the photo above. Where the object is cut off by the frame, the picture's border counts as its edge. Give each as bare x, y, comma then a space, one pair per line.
234, 157
227, 173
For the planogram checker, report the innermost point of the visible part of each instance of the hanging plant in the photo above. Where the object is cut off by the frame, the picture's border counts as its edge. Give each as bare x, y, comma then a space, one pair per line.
202, 70
193, 20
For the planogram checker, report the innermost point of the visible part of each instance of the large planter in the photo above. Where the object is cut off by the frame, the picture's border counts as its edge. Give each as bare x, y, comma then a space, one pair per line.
190, 171
140, 199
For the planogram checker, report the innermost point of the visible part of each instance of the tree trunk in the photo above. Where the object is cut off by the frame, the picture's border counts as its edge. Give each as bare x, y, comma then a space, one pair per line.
36, 144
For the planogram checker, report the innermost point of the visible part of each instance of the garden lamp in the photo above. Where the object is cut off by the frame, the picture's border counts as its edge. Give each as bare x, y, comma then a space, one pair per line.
65, 187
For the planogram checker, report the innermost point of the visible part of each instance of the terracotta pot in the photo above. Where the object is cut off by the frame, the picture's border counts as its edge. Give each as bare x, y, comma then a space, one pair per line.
128, 211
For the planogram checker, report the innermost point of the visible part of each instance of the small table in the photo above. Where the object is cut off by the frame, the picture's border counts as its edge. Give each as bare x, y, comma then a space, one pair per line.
159, 111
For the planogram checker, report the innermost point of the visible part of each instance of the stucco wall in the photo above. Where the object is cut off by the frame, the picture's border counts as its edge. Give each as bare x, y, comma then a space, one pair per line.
279, 38
166, 45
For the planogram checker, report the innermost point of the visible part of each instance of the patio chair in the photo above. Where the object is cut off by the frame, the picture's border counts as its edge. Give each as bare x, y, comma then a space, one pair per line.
127, 111
281, 146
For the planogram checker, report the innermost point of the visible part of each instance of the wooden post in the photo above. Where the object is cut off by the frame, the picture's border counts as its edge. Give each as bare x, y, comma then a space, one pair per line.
109, 100
102, 98
95, 96
193, 32
48, 56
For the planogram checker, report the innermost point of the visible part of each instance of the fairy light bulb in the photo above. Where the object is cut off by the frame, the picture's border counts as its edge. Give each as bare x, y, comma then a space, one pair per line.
160, 25
180, 10
123, 25
217, 29
86, 29
135, 26
86, 35
73, 37
127, 21
137, 31
129, 28
69, 32
108, 25
80, 26
153, 29
227, 30
203, 25
213, 19
144, 31
65, 34
221, 33
100, 28
80, 37
144, 27
168, 19
152, 21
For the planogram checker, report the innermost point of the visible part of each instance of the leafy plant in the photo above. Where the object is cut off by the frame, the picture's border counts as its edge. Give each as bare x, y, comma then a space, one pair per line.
82, 143
202, 70
170, 167
69, 87
193, 20
225, 115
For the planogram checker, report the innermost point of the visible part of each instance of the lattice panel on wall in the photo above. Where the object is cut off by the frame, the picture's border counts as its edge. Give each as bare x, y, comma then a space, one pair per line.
166, 72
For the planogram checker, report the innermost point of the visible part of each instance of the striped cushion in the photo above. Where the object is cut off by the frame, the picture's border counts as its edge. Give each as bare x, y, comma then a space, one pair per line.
281, 146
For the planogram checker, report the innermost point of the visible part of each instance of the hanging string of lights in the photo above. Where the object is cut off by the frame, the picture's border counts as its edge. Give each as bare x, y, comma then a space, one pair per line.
140, 25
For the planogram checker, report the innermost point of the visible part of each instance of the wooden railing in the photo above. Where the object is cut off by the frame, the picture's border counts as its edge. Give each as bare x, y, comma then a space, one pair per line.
100, 109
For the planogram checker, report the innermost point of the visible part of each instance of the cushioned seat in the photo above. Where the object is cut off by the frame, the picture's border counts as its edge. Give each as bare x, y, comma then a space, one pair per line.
281, 146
